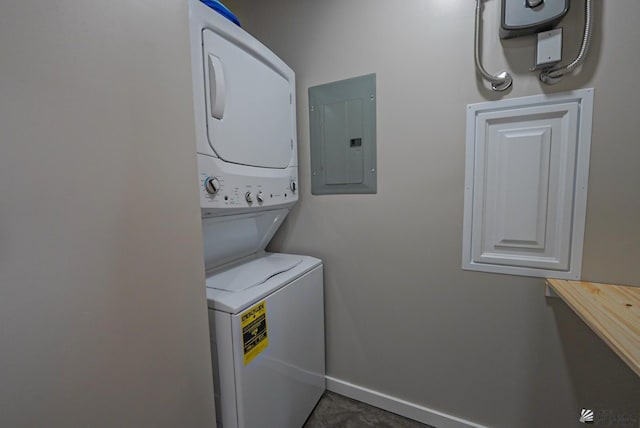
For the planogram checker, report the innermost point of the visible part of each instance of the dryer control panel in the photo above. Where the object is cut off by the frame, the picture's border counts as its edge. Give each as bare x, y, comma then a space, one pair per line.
233, 187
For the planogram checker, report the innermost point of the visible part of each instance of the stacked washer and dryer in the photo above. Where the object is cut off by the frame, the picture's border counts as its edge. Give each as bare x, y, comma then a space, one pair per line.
266, 311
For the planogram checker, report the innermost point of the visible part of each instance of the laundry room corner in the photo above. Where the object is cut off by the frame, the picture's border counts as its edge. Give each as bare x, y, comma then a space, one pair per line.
402, 317
310, 214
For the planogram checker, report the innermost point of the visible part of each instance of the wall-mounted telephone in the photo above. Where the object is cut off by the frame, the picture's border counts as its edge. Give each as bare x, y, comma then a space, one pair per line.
539, 17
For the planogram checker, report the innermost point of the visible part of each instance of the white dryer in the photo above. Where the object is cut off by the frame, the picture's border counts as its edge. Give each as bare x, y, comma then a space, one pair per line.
266, 310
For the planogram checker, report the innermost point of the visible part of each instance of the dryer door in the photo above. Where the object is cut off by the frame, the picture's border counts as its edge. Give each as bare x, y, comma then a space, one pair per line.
249, 102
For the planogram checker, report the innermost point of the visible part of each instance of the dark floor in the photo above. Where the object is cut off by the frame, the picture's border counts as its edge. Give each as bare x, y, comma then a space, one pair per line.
336, 411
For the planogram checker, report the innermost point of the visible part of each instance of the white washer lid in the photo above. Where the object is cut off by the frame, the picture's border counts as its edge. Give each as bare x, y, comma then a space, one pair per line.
255, 272
233, 302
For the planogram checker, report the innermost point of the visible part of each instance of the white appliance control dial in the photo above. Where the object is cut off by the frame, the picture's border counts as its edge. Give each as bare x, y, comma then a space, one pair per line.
293, 186
212, 185
259, 197
248, 197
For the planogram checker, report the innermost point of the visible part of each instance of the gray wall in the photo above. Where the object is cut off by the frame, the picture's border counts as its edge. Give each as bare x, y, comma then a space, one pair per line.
402, 317
103, 317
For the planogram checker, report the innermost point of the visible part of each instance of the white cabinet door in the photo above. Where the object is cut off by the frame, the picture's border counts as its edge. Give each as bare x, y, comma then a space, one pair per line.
527, 168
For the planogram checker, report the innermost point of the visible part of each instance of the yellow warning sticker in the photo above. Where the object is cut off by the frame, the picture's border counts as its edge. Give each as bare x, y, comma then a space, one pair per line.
254, 331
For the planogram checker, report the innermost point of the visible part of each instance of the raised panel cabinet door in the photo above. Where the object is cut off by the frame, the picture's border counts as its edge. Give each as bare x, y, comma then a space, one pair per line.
525, 176
527, 168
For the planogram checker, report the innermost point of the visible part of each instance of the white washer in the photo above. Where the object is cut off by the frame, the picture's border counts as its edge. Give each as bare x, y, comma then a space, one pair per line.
266, 310
281, 385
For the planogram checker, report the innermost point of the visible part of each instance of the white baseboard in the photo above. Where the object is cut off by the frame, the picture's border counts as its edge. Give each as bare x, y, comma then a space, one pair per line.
398, 406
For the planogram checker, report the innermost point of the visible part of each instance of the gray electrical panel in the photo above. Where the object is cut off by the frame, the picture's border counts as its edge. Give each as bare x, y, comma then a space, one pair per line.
342, 119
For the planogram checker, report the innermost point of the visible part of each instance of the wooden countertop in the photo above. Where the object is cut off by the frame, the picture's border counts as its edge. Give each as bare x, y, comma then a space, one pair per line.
612, 311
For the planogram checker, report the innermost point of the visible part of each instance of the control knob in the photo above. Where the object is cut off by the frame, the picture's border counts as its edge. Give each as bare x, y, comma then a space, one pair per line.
260, 197
212, 185
248, 197
293, 186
